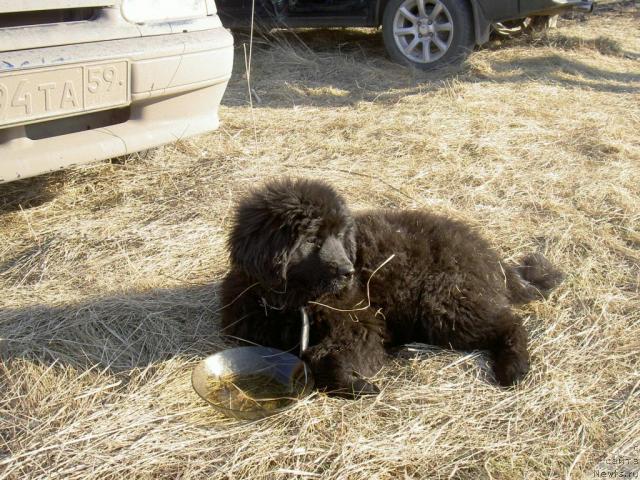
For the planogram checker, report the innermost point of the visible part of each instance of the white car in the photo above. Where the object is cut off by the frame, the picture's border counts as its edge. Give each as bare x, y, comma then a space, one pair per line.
87, 80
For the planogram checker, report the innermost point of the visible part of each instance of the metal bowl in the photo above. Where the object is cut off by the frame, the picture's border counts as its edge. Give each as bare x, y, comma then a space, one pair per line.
252, 382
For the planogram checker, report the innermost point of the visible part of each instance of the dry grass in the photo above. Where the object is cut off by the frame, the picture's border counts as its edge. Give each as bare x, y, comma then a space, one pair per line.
109, 273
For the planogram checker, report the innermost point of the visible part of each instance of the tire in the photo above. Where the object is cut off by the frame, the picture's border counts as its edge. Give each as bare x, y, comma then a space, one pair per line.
427, 34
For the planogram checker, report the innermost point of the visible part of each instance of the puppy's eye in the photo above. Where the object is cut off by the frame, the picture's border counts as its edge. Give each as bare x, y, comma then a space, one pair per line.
308, 246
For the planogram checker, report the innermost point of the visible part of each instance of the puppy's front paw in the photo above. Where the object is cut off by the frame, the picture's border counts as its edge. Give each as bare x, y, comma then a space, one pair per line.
510, 369
335, 373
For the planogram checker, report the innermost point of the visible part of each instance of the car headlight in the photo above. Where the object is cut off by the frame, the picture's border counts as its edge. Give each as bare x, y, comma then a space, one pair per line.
148, 11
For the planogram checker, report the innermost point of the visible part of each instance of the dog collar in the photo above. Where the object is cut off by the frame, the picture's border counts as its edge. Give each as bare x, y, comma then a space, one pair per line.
304, 337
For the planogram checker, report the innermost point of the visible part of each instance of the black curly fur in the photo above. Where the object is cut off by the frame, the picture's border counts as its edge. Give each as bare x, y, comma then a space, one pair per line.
295, 241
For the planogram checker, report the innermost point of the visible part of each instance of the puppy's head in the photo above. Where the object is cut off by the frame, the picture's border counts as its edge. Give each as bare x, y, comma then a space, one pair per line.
297, 234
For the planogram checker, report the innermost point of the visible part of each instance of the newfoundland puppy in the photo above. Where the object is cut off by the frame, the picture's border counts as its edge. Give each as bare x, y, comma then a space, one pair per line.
371, 281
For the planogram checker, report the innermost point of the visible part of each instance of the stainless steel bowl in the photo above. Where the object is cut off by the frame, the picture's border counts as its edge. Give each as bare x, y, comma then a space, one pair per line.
252, 382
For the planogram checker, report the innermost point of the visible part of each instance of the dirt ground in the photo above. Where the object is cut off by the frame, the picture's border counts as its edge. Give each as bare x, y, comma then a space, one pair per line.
109, 273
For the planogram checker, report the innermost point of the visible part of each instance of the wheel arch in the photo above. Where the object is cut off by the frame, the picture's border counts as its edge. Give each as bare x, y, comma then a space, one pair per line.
481, 26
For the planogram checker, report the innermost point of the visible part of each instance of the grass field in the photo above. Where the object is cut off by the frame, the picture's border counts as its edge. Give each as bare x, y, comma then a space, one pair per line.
109, 273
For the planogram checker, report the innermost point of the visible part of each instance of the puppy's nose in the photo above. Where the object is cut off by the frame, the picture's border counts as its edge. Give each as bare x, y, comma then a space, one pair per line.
346, 270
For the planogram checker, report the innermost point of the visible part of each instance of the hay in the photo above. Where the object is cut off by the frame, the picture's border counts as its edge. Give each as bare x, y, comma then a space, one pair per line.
109, 273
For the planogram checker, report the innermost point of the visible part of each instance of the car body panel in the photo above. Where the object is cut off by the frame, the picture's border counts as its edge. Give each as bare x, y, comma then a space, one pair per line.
67, 98
498, 9
237, 14
531, 7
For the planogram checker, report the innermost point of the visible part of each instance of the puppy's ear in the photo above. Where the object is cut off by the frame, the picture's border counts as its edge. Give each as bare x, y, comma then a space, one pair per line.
261, 254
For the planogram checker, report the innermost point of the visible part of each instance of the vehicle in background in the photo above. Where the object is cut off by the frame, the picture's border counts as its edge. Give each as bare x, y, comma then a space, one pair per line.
87, 80
423, 33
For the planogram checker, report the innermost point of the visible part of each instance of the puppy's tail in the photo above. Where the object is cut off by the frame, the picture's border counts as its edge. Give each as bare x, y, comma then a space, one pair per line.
533, 278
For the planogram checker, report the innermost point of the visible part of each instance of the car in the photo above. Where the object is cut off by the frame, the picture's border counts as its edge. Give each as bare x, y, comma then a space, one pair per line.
426, 34
87, 80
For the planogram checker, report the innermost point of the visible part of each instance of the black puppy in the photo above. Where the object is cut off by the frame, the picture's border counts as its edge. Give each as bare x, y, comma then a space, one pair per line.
294, 243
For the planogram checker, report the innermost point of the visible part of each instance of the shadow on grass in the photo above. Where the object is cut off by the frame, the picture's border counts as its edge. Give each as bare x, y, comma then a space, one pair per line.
558, 70
30, 192
138, 330
333, 68
602, 45
324, 67
117, 332
37, 191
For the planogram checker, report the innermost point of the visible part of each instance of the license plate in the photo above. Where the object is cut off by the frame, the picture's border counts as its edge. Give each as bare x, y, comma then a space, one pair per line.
26, 97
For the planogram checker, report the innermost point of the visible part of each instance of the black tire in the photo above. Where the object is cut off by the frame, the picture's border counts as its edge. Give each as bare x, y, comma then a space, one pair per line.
459, 41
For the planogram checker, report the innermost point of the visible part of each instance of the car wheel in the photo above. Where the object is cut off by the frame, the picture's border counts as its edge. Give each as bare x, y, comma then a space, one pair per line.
427, 33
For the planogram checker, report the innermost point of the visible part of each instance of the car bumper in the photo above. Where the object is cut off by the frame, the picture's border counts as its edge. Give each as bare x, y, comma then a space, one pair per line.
556, 6
176, 85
